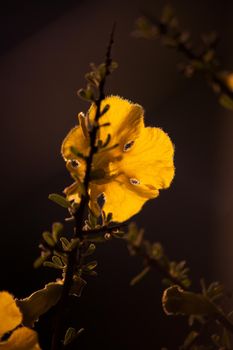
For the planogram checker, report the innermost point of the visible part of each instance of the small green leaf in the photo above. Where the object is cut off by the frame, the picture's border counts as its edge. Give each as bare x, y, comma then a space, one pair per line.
214, 291
96, 239
93, 78
186, 282
65, 243
57, 261
92, 219
77, 286
90, 250
69, 245
69, 336
60, 200
51, 265
189, 340
74, 243
57, 229
90, 266
140, 276
102, 70
87, 94
40, 260
91, 273
157, 251
135, 235
62, 256
48, 238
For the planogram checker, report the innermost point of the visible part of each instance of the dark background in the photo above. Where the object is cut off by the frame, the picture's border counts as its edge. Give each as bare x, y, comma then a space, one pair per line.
45, 51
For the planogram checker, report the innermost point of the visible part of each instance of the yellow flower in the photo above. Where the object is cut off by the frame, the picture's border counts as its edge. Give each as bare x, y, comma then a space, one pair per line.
22, 338
136, 163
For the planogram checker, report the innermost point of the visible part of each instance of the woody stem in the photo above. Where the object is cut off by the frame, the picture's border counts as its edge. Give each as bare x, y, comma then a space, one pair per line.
75, 255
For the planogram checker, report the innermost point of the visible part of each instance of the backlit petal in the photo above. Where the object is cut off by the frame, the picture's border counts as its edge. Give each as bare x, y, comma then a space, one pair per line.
21, 339
10, 316
120, 199
125, 118
136, 163
76, 139
150, 161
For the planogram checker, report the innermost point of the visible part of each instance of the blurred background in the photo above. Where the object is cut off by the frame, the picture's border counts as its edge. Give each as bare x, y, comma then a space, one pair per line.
46, 48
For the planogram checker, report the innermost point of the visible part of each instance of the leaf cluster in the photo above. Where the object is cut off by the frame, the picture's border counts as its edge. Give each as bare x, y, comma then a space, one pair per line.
94, 78
153, 256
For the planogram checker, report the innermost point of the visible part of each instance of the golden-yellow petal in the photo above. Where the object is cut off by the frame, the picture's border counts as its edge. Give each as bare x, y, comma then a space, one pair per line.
126, 123
120, 199
150, 161
22, 338
125, 118
10, 315
76, 139
129, 174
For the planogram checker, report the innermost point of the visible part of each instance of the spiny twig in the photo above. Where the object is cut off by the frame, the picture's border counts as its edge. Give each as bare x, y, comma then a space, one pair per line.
73, 259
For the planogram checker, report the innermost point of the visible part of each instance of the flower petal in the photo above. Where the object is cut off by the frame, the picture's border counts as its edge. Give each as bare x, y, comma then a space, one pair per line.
10, 316
125, 118
150, 161
75, 138
22, 338
120, 199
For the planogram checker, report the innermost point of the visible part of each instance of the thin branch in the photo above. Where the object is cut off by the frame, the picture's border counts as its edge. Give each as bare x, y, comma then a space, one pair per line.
187, 51
156, 265
74, 257
103, 230
223, 319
